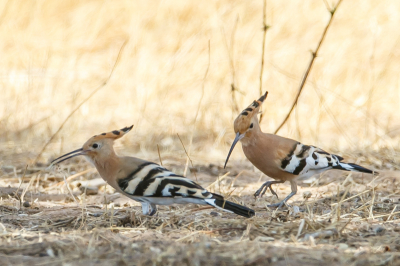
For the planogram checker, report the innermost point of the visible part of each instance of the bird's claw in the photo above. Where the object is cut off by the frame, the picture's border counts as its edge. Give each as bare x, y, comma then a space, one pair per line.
257, 193
263, 189
273, 192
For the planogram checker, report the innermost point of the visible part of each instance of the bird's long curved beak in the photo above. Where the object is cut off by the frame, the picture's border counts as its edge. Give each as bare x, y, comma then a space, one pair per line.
237, 138
68, 156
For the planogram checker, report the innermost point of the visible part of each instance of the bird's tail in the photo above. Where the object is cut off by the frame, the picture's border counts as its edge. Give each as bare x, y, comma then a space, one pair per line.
219, 202
353, 167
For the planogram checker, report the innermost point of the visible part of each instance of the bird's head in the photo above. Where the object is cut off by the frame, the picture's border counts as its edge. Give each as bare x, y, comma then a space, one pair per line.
246, 122
96, 147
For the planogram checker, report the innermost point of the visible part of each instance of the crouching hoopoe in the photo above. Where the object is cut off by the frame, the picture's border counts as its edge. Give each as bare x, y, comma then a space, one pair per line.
281, 158
146, 182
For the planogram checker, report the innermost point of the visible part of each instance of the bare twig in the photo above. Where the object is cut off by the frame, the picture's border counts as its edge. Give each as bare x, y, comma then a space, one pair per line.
380, 135
22, 180
344, 226
232, 65
313, 56
71, 177
371, 89
30, 126
371, 213
233, 180
390, 216
79, 105
331, 116
159, 155
187, 156
198, 107
218, 180
327, 5
202, 208
16, 192
321, 234
265, 28
26, 189
68, 188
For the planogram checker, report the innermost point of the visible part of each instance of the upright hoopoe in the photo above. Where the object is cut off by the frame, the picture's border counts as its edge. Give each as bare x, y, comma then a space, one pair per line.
281, 158
146, 182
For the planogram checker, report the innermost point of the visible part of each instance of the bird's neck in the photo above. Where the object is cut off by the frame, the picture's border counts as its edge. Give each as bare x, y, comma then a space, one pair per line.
252, 136
107, 166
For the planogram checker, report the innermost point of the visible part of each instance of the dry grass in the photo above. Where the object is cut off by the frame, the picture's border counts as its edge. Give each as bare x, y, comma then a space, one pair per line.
339, 219
174, 76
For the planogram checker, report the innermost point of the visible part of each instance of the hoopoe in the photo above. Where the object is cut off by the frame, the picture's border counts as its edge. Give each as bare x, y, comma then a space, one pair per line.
281, 158
144, 181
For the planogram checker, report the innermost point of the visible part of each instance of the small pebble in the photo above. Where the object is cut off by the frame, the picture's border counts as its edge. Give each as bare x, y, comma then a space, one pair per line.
50, 252
307, 194
89, 190
155, 250
343, 246
360, 252
215, 214
26, 204
296, 210
96, 214
379, 230
214, 169
264, 238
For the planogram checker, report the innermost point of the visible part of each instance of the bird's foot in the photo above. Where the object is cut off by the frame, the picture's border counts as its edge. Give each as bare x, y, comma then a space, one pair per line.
258, 192
153, 210
261, 191
272, 191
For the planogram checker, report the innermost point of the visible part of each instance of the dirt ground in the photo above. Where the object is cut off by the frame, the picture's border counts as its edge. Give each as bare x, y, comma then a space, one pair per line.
336, 219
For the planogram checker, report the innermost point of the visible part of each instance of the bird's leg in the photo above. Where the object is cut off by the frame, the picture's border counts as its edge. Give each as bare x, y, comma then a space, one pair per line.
145, 208
261, 191
153, 209
148, 208
293, 185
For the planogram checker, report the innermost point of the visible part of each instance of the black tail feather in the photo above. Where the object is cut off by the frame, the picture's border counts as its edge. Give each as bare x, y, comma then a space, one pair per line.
353, 167
229, 206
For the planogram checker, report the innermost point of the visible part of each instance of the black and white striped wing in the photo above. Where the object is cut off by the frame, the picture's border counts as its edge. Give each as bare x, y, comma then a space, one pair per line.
305, 159
153, 180
150, 182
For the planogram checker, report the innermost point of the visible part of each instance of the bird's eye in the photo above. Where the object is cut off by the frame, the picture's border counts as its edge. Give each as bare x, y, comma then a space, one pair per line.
95, 146
251, 125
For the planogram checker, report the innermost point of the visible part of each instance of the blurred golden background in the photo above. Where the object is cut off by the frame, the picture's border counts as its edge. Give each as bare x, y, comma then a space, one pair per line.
54, 54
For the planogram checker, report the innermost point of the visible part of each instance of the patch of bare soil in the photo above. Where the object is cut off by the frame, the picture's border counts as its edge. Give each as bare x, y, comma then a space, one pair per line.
340, 218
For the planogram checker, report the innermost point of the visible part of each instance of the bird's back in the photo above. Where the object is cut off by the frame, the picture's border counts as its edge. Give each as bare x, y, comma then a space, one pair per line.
267, 151
144, 178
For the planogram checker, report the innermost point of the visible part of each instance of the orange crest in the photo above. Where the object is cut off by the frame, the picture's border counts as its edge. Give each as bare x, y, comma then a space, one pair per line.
115, 134
242, 122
